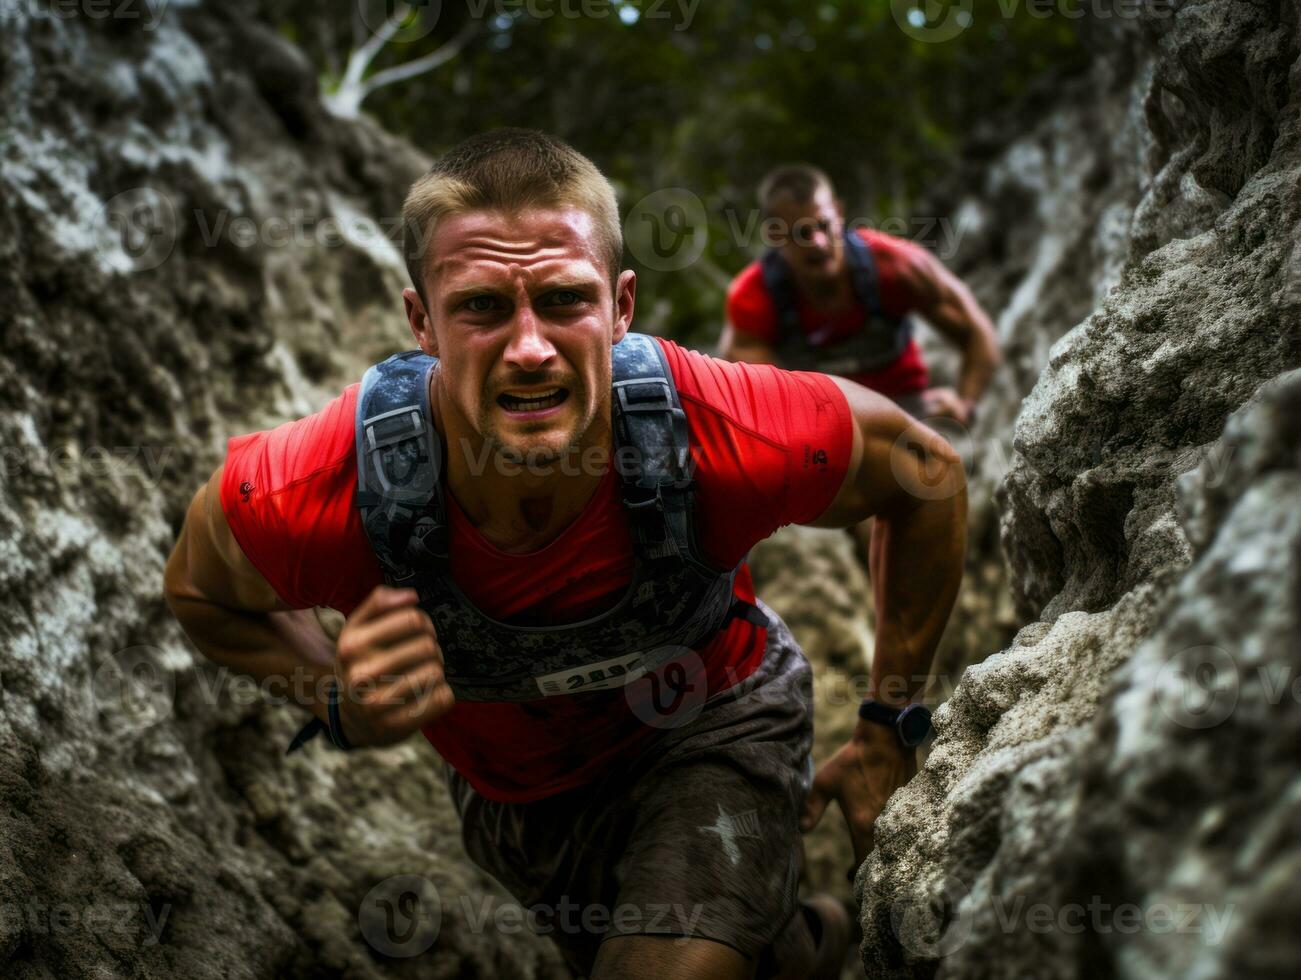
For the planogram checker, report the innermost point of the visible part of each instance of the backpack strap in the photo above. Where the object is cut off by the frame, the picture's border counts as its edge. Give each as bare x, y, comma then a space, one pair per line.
653, 452
862, 272
653, 456
779, 282
781, 285
399, 468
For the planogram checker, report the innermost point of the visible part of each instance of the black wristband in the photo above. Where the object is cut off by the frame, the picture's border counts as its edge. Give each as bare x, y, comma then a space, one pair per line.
332, 712
911, 723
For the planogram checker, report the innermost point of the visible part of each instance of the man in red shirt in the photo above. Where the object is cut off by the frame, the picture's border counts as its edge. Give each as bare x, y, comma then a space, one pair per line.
832, 299
654, 783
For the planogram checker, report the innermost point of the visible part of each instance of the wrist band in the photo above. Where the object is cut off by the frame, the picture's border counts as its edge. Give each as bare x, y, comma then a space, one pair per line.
332, 712
315, 726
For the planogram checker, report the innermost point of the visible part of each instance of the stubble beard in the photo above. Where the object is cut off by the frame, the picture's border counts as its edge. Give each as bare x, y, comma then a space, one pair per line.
527, 452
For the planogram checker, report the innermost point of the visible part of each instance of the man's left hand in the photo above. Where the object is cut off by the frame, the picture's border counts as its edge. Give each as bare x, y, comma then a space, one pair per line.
860, 777
945, 403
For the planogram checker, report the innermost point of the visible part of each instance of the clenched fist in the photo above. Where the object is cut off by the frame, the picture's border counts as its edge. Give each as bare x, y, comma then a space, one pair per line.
945, 403
389, 668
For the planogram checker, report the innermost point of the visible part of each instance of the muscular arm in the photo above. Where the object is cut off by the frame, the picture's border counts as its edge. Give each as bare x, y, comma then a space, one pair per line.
911, 480
948, 305
234, 616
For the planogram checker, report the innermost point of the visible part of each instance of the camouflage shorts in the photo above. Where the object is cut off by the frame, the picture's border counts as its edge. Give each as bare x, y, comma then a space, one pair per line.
697, 835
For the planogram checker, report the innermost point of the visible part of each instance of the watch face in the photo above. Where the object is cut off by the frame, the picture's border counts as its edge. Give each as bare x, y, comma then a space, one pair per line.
914, 725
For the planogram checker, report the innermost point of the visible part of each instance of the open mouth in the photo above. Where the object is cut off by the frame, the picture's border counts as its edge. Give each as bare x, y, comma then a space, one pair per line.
533, 401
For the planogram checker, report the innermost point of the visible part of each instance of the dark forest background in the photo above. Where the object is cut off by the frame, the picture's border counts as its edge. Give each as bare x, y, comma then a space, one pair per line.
707, 97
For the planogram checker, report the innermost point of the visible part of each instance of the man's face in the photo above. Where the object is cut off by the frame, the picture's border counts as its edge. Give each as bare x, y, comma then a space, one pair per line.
522, 317
811, 235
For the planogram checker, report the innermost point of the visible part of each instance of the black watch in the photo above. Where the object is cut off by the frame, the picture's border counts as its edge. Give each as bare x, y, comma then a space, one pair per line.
911, 723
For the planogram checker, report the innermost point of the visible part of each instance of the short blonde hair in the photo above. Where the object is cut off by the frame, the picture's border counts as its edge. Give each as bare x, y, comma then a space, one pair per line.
509, 170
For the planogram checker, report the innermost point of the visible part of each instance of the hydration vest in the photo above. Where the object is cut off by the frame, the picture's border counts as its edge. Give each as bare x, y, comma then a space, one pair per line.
878, 344
675, 599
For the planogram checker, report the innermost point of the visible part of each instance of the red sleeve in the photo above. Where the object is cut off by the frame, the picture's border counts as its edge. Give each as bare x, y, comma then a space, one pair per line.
288, 494
749, 308
892, 257
771, 447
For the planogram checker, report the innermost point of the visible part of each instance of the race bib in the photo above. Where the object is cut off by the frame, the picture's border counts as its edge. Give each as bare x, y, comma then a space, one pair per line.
615, 672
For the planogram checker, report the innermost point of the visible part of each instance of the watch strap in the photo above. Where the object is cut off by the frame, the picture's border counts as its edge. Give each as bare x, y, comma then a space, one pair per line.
881, 714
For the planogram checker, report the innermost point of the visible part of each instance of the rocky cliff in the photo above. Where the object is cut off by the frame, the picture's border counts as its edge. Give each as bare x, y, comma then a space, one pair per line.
189, 248
192, 248
1115, 794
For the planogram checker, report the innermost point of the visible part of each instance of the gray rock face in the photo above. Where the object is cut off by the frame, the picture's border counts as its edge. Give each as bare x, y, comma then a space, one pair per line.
188, 248
1116, 792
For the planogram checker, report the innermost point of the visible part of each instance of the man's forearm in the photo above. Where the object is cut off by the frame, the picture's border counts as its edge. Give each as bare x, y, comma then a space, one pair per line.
978, 363
286, 652
916, 570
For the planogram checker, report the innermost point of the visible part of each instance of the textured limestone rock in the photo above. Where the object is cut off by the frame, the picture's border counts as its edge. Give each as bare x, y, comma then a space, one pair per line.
1131, 757
188, 248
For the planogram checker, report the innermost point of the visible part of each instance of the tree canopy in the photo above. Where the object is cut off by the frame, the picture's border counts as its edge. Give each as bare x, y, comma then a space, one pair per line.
707, 96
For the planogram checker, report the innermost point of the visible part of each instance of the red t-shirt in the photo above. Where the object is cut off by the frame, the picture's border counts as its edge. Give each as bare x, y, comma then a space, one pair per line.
751, 310
770, 448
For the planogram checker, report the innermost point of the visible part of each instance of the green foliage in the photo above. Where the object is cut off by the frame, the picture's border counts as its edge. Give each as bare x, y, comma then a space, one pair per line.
709, 97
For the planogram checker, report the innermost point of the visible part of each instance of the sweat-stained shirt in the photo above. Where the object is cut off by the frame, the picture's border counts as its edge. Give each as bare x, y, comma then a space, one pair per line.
770, 448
